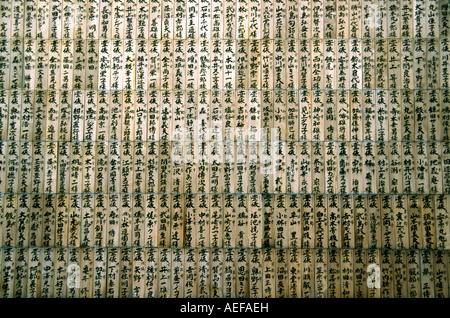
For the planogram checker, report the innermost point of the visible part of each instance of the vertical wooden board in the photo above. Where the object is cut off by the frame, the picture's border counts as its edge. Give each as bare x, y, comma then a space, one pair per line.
427, 204
229, 269
400, 222
155, 19
420, 26
294, 273
343, 167
61, 259
347, 274
442, 221
177, 272
427, 273
294, 220
414, 274
387, 274
409, 168
217, 220
321, 221
318, 166
281, 276
204, 274
152, 174
357, 170
269, 285
387, 222
381, 64
67, 61
87, 220
125, 219
113, 273
444, 19
74, 230
374, 221
163, 236
368, 64
63, 167
35, 220
255, 273
317, 12
8, 271
435, 167
47, 276
305, 115
62, 219
87, 272
415, 221
151, 272
343, 66
308, 281
334, 273
321, 271
331, 117
369, 169
330, 17
4, 114
50, 168
100, 272
14, 114
217, 272
42, 64
360, 221
190, 236
113, 221
422, 169
305, 60
305, 12
154, 60
440, 274
242, 220
446, 166
308, 234
359, 269
374, 273
23, 220
34, 273
12, 174
48, 224
444, 56
190, 273
138, 237
138, 273
203, 227
9, 227
395, 167
100, 225
268, 213
281, 221
105, 66
55, 54
400, 287
305, 159
334, 221
347, 221
432, 63
317, 59
256, 221
151, 220
125, 272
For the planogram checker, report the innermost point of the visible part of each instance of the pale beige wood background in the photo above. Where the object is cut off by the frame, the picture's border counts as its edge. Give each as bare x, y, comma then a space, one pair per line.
92, 97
